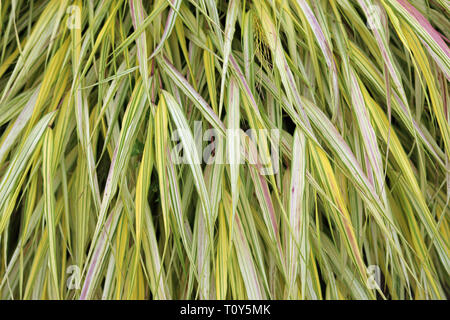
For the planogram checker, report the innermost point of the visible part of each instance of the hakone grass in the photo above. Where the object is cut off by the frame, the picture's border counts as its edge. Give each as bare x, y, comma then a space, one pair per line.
105, 195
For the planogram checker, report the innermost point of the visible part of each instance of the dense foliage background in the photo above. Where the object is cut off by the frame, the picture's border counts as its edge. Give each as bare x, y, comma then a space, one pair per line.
94, 203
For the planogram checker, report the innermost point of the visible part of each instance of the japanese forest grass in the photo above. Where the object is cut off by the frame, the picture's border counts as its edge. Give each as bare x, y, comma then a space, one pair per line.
105, 189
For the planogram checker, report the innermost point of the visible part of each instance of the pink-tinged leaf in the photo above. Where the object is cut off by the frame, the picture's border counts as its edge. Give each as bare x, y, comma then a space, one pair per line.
99, 254
430, 37
325, 48
170, 23
383, 45
367, 132
251, 153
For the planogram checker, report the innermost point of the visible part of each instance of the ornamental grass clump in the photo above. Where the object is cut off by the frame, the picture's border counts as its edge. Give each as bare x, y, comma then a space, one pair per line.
270, 149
